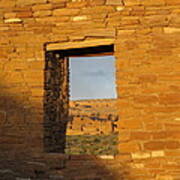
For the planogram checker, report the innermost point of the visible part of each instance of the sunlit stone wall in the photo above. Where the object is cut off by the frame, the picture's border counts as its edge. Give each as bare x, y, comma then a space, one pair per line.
147, 52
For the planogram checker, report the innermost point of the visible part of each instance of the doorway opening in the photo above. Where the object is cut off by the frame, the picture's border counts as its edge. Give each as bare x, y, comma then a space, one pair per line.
80, 101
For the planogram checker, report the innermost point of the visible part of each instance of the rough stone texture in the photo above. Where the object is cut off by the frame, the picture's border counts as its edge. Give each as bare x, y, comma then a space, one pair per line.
92, 117
114, 2
56, 102
147, 55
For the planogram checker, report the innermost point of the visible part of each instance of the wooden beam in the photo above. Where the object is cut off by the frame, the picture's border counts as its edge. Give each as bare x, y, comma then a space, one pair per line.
80, 44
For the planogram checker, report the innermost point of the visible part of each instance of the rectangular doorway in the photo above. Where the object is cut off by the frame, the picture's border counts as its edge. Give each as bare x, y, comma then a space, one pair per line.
80, 101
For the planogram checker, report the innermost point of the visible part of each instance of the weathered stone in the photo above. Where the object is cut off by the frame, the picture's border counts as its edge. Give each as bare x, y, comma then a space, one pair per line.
97, 2
66, 12
170, 30
141, 155
132, 2
158, 153
79, 18
25, 14
145, 116
30, 2
158, 20
107, 157
152, 2
42, 7
9, 15
120, 8
162, 177
77, 4
114, 2
42, 13
13, 20
58, 1
172, 2
98, 10
128, 147
7, 4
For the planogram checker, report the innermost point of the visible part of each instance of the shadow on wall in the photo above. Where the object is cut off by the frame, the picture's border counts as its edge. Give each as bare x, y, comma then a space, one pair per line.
20, 138
20, 119
87, 167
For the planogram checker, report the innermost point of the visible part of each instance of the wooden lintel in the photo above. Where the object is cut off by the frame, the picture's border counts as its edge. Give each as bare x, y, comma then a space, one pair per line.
78, 44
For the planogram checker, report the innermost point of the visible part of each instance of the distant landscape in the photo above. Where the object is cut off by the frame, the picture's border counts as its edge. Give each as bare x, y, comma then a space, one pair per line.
92, 128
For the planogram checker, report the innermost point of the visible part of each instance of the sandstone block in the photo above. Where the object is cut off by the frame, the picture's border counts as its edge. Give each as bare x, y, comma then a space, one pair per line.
177, 119
9, 15
130, 124
98, 10
42, 7
158, 154
170, 30
169, 99
155, 145
58, 5
128, 147
7, 4
34, 78
138, 165
154, 126
164, 177
66, 12
37, 92
172, 126
13, 20
42, 13
125, 136
159, 135
79, 18
137, 11
29, 2
140, 136
126, 32
132, 2
155, 20
108, 157
174, 153
120, 8
172, 144
58, 1
100, 32
146, 99
140, 155
96, 2
25, 14
2, 117
152, 2
148, 78
114, 2
36, 65
129, 21
172, 2
77, 4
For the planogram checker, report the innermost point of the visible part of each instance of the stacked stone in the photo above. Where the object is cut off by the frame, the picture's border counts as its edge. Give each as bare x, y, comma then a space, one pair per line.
147, 41
93, 117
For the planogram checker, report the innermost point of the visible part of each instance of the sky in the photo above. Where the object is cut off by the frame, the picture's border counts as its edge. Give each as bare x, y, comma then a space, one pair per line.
92, 78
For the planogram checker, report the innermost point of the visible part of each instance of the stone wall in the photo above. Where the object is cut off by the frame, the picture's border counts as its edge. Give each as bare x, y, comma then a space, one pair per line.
92, 117
147, 52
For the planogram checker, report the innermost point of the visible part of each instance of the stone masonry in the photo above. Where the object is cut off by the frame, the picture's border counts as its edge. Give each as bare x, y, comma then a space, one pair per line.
146, 36
92, 117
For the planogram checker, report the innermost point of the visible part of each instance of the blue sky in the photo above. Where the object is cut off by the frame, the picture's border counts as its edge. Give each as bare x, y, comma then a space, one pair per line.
92, 78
